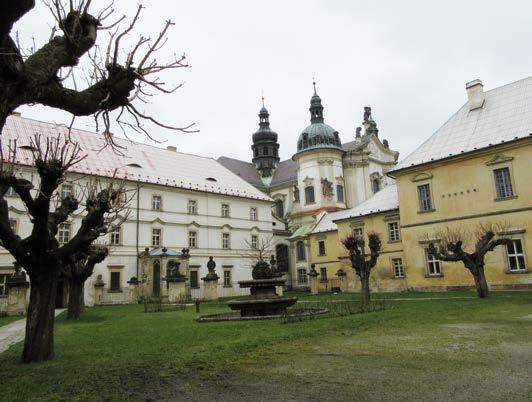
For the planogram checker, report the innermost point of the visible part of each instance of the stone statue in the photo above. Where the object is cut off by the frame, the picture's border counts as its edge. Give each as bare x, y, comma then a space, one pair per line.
296, 193
211, 266
358, 130
185, 252
261, 270
172, 269
326, 188
367, 114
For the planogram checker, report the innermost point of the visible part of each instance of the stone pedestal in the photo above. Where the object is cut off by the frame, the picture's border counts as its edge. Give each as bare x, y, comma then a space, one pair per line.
133, 285
16, 298
210, 289
177, 290
342, 276
98, 290
279, 290
313, 280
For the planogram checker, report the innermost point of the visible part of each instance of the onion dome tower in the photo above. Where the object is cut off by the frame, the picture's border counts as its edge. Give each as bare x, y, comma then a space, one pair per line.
265, 147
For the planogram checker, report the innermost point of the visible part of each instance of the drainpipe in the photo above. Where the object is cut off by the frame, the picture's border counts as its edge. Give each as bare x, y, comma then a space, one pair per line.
138, 218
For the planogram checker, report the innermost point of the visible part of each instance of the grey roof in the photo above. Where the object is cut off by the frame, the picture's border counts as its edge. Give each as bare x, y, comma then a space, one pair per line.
505, 116
285, 172
140, 162
385, 200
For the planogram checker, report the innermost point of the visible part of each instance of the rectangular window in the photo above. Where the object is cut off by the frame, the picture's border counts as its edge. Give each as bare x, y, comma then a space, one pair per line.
226, 241
398, 269
227, 279
323, 274
516, 256
300, 251
3, 280
115, 280
393, 231
192, 239
321, 247
194, 282
225, 210
192, 207
503, 183
115, 236
156, 202
358, 233
302, 276
66, 190
433, 265
254, 241
425, 202
63, 233
340, 193
309, 195
156, 237
253, 215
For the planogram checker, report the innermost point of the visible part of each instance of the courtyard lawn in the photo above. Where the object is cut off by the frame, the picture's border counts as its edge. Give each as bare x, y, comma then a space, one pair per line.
4, 320
452, 349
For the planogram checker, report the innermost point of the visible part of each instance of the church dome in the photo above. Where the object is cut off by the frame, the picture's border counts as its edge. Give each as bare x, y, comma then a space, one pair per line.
264, 134
318, 134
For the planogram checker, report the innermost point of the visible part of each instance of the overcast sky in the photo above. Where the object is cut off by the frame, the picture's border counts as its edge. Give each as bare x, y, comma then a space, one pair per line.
408, 60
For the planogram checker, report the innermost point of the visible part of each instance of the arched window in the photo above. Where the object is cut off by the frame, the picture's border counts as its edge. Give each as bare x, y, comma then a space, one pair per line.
309, 195
300, 251
340, 193
256, 152
376, 185
279, 208
265, 151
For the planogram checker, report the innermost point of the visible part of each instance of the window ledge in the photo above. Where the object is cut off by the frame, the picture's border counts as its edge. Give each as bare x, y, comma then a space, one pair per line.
399, 277
394, 241
434, 276
322, 255
512, 197
114, 291
521, 271
427, 211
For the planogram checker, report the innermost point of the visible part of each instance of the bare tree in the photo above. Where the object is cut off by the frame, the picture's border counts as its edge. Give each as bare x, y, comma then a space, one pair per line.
261, 251
355, 245
115, 80
77, 273
40, 254
451, 243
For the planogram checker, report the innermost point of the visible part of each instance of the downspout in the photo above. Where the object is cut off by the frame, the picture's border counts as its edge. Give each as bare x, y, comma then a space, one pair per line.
138, 222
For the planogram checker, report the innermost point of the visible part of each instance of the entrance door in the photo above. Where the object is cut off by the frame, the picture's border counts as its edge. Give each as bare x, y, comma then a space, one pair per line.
156, 278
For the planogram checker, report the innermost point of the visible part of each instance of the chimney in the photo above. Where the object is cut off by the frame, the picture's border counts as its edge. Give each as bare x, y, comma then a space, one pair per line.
475, 94
171, 148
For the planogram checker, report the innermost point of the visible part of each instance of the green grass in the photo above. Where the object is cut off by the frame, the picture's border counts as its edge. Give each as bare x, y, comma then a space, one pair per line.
467, 349
4, 320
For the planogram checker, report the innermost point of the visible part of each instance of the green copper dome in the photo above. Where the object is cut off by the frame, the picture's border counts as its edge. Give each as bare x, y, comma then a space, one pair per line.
318, 134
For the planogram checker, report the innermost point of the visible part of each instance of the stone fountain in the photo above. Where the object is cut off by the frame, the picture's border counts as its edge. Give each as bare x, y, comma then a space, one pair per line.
263, 301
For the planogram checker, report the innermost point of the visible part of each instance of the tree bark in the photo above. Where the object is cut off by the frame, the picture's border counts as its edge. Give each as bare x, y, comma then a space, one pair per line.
364, 292
480, 282
39, 339
75, 300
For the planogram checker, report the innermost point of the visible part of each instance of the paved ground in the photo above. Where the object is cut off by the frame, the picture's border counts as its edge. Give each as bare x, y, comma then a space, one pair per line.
14, 332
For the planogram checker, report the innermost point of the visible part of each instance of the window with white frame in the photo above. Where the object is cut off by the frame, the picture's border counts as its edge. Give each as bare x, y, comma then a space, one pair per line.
225, 210
194, 279
309, 195
321, 247
358, 233
156, 235
63, 232
254, 241
302, 276
114, 236
433, 265
340, 193
227, 278
393, 231
503, 182
66, 190
3, 281
192, 239
253, 215
115, 281
300, 251
192, 207
156, 202
398, 268
226, 241
425, 200
516, 256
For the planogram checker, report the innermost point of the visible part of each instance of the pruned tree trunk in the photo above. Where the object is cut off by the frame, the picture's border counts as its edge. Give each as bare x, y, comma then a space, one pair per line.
364, 291
75, 300
480, 282
39, 340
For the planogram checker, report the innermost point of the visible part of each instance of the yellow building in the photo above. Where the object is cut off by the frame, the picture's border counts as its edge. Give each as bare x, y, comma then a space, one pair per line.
475, 170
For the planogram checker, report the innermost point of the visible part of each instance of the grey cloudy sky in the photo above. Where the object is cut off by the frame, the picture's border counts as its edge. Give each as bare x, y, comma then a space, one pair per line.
409, 60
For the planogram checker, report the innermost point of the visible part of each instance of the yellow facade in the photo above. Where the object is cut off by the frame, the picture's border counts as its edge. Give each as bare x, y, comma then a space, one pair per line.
463, 196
